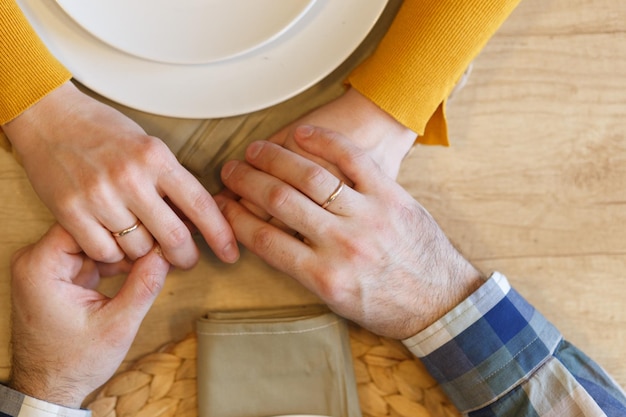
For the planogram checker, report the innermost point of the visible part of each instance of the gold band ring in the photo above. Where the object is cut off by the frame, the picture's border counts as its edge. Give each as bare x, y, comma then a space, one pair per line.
127, 231
334, 195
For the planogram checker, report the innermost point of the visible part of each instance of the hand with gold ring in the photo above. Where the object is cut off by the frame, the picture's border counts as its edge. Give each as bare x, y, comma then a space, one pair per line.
115, 188
374, 254
357, 117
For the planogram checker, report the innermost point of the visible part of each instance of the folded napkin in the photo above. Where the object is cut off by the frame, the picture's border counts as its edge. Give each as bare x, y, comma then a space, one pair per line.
271, 362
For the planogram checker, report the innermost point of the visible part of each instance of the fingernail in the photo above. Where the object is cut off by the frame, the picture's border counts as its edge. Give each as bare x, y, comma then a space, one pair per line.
231, 253
228, 169
254, 149
304, 131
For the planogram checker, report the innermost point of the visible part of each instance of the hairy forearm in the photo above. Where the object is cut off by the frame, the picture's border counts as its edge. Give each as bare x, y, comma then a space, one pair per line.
35, 382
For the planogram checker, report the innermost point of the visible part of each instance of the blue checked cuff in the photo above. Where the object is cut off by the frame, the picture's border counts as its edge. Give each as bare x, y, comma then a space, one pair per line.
486, 346
16, 404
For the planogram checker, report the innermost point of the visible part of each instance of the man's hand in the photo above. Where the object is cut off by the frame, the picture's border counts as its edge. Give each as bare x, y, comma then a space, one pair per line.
374, 254
360, 120
100, 173
67, 338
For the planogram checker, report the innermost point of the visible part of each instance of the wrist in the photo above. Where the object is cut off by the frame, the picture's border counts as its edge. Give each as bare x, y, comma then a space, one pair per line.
39, 386
454, 286
463, 281
26, 130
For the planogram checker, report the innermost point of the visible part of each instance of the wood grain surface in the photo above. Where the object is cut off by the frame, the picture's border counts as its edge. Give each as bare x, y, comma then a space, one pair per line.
534, 186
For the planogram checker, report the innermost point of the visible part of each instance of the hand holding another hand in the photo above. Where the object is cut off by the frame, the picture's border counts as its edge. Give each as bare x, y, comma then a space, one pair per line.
67, 338
360, 120
374, 255
356, 117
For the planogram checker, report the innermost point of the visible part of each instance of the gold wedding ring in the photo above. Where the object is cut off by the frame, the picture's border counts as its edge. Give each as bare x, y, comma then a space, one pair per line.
334, 195
127, 231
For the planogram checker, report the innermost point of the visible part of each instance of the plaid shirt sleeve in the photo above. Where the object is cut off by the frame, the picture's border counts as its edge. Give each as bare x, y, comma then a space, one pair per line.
16, 404
495, 355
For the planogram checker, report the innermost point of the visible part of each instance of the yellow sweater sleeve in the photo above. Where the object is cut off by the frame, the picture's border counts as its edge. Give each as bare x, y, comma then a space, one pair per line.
28, 70
425, 52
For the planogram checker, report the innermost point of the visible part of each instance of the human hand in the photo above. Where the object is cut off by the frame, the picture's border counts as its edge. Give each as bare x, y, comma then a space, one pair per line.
99, 172
374, 255
67, 338
366, 125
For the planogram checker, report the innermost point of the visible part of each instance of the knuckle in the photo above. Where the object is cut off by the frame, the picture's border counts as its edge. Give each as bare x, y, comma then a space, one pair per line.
175, 236
356, 253
314, 176
153, 152
263, 240
151, 149
202, 202
335, 287
278, 196
353, 157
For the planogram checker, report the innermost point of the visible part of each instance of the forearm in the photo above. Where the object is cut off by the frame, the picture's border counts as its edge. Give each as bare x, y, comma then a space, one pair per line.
495, 352
36, 382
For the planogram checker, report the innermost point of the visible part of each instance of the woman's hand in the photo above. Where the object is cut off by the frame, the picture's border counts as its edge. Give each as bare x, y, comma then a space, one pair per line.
373, 254
100, 173
365, 124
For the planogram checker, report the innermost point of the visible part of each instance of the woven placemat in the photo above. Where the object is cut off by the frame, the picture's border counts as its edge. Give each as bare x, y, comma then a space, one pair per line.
390, 381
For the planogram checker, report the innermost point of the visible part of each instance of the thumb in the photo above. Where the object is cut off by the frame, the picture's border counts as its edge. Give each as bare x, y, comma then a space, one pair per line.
141, 287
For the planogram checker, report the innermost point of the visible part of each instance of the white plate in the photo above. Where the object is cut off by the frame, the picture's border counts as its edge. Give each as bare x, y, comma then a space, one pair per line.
319, 41
186, 31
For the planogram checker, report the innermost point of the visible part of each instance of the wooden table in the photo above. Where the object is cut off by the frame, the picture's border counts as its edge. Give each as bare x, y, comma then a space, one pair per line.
534, 186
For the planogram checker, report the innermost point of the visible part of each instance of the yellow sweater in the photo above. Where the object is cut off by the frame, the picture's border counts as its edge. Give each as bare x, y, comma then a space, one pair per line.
420, 59
28, 70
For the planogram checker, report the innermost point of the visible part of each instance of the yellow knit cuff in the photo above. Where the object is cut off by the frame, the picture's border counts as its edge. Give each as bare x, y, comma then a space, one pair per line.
28, 70
436, 132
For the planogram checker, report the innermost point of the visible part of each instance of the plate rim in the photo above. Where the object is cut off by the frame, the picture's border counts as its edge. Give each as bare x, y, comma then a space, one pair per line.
205, 59
234, 87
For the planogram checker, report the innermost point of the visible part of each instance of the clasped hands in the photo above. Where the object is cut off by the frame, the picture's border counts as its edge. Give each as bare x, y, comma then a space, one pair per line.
118, 190
374, 255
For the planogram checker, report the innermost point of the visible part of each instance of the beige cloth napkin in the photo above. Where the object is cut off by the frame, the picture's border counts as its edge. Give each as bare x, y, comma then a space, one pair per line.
271, 362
